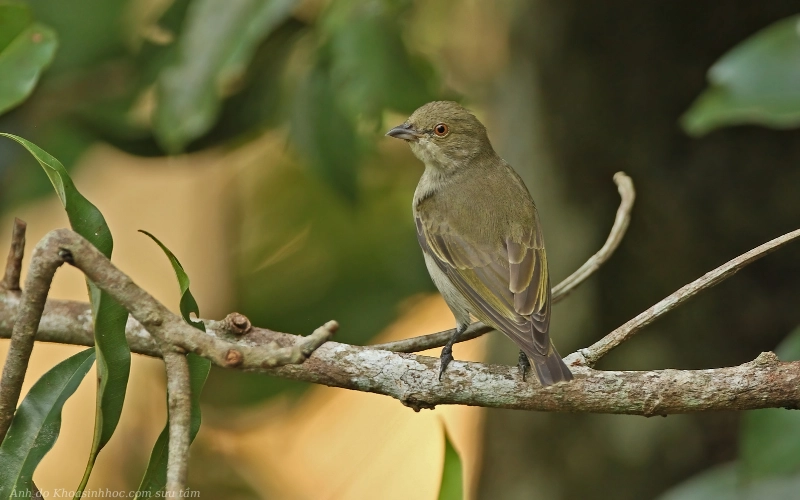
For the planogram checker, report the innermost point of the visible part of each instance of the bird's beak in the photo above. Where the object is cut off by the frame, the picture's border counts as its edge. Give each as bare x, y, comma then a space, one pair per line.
405, 132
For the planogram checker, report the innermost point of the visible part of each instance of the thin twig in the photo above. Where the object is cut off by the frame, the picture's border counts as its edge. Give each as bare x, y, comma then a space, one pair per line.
621, 222
14, 263
593, 353
627, 196
438, 339
44, 264
180, 415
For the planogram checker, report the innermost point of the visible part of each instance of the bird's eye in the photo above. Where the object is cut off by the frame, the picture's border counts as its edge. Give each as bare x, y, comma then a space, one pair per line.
441, 129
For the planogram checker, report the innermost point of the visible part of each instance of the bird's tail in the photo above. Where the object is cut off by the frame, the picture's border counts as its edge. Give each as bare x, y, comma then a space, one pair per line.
550, 369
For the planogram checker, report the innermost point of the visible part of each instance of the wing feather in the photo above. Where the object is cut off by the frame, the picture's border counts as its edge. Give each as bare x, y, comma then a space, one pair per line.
507, 283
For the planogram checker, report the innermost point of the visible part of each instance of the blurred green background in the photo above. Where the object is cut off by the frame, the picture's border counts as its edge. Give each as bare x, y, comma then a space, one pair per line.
572, 91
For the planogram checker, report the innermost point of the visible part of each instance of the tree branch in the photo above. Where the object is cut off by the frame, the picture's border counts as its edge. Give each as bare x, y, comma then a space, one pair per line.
26, 322
14, 263
170, 331
412, 379
623, 218
179, 402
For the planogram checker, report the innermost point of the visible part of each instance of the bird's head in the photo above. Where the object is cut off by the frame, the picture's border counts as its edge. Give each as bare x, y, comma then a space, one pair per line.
444, 135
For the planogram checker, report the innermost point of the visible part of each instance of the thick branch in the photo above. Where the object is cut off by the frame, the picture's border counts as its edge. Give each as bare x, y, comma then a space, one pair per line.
627, 195
412, 379
14, 263
26, 322
593, 353
180, 415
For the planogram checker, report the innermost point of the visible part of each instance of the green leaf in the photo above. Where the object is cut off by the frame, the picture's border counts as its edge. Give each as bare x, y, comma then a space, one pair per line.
757, 82
155, 477
371, 67
26, 49
215, 45
266, 19
770, 438
722, 483
188, 304
37, 423
452, 487
717, 483
325, 134
113, 353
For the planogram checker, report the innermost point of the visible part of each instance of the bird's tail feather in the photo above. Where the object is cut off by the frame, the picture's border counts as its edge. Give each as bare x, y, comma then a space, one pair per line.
550, 369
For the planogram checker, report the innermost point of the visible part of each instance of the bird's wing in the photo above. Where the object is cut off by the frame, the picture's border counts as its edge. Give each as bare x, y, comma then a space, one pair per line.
506, 283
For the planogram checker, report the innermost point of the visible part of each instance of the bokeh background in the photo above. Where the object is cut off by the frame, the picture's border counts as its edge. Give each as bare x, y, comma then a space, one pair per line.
248, 136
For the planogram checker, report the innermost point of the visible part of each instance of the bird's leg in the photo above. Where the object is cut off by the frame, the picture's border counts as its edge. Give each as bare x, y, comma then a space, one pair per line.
523, 364
447, 352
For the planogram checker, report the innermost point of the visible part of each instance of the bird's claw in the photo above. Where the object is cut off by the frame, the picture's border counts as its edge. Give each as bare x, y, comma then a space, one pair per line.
444, 360
523, 364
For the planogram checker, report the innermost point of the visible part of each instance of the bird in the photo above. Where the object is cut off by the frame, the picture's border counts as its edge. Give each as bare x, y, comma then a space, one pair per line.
480, 235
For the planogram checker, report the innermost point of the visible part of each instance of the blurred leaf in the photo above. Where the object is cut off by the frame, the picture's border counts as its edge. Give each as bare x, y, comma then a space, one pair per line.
26, 49
717, 483
452, 487
37, 423
324, 134
370, 65
217, 41
266, 18
770, 438
113, 353
155, 477
89, 31
722, 483
262, 100
758, 81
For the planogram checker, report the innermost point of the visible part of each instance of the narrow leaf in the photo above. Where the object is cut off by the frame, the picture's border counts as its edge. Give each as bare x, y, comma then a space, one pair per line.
113, 353
188, 304
37, 424
155, 477
452, 487
26, 49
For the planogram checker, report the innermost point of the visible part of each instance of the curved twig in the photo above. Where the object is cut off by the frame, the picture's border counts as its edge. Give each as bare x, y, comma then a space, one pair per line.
627, 196
622, 220
26, 322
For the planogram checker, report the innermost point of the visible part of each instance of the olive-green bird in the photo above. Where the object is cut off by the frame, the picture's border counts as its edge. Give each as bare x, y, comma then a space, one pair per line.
480, 235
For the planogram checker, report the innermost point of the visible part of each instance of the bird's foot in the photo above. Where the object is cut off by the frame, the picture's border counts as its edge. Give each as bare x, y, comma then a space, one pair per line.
523, 364
444, 359
447, 352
